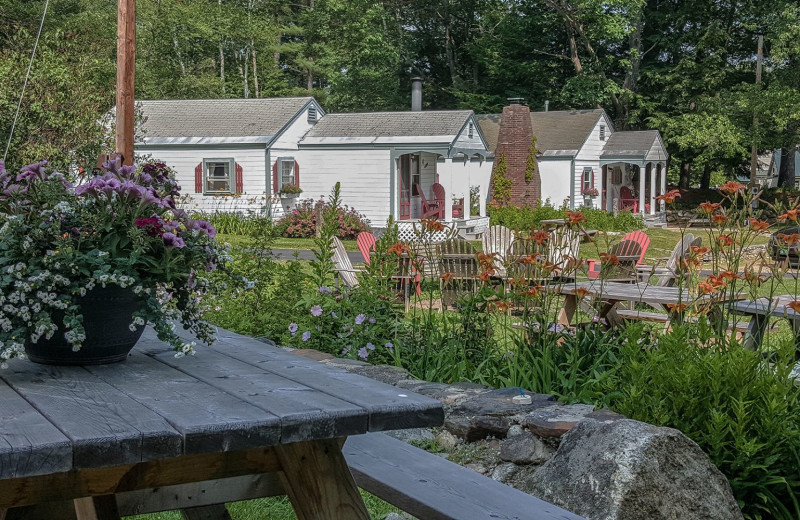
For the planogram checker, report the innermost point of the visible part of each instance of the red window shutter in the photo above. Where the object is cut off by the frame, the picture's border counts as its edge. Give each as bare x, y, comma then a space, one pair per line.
275, 177
239, 179
296, 173
198, 178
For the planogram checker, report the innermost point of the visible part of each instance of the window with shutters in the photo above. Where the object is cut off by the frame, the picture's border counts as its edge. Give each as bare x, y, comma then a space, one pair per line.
218, 176
286, 174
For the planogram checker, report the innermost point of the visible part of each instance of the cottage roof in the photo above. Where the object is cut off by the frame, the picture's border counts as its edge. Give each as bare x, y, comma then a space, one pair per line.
560, 130
642, 144
217, 118
384, 127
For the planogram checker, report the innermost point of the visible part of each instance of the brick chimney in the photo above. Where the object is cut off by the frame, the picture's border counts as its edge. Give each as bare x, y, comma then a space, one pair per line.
515, 174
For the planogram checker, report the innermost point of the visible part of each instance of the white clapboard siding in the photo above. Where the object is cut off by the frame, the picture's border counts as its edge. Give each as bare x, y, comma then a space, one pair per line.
555, 175
363, 174
589, 157
184, 159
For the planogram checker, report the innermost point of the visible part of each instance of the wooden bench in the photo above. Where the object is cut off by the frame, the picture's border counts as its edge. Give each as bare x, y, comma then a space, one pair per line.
655, 317
433, 488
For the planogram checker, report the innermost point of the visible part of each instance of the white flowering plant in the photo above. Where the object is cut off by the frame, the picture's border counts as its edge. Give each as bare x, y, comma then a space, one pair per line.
120, 226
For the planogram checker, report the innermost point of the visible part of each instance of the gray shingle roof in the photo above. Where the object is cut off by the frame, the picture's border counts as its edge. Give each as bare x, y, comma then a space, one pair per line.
218, 117
391, 124
630, 144
556, 130
563, 130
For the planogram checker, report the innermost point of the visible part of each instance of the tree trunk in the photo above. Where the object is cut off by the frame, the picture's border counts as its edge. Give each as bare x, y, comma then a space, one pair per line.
573, 49
310, 76
178, 54
448, 49
786, 171
685, 176
705, 179
255, 68
245, 76
635, 44
222, 67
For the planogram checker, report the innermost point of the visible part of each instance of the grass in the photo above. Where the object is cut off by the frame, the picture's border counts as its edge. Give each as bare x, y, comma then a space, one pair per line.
277, 508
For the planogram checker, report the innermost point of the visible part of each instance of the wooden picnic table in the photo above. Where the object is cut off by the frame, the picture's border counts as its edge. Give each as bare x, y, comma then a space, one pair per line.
760, 311
241, 419
612, 294
547, 224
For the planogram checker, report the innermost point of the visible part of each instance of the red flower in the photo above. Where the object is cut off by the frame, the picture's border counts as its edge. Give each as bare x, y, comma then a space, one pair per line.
575, 217
582, 292
758, 225
446, 277
725, 240
398, 249
795, 305
719, 219
540, 237
790, 215
608, 259
732, 187
709, 207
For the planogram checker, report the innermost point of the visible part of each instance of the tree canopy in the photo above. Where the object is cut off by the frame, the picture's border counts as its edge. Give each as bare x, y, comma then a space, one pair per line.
685, 67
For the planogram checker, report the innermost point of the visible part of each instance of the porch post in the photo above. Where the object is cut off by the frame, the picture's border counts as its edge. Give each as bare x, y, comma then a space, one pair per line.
641, 189
653, 188
604, 194
662, 167
448, 200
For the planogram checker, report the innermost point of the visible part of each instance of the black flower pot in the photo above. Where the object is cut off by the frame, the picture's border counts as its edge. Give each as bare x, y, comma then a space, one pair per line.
107, 315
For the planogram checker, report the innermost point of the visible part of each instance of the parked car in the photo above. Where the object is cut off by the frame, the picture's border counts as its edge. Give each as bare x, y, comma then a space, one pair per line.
783, 244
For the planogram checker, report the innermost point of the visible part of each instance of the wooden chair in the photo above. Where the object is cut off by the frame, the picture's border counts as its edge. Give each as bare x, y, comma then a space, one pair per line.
429, 208
627, 253
497, 240
627, 200
343, 268
366, 244
564, 247
639, 238
668, 274
459, 269
438, 195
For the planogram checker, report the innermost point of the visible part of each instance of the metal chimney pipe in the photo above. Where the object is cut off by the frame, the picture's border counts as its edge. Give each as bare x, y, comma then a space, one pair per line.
416, 94
515, 101
546, 105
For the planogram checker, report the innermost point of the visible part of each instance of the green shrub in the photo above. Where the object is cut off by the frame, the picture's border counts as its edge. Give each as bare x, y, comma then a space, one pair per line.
525, 218
743, 412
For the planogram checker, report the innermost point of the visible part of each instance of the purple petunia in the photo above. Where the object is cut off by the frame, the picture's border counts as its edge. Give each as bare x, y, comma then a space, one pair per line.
360, 319
172, 240
370, 346
371, 319
293, 328
362, 353
389, 346
306, 335
325, 290
316, 310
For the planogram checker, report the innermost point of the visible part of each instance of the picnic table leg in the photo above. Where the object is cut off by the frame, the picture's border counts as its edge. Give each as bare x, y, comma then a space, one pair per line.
63, 510
754, 335
216, 512
318, 481
608, 312
97, 508
566, 314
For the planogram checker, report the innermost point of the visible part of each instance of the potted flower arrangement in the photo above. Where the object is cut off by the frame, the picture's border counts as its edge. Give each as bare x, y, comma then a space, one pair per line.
590, 192
290, 191
89, 265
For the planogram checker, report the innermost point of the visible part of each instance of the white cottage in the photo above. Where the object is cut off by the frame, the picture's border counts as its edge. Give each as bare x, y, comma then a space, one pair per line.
388, 162
580, 153
239, 154
227, 152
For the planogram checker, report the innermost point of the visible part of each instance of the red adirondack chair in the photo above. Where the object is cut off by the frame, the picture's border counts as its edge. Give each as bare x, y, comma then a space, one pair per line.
630, 251
366, 244
438, 195
627, 200
430, 208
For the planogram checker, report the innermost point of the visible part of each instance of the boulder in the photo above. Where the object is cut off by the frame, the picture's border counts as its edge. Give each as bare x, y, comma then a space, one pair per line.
629, 470
524, 448
556, 419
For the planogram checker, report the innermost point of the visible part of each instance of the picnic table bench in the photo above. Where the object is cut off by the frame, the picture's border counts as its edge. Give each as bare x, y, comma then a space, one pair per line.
760, 311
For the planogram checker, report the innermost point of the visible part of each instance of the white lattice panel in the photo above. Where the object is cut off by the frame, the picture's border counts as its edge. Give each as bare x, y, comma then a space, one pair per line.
406, 233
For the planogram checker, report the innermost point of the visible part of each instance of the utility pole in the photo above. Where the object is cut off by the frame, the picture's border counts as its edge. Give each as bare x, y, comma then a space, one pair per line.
754, 149
126, 66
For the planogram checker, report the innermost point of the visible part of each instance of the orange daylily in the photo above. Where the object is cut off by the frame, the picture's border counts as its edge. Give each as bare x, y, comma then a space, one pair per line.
758, 225
705, 288
677, 307
795, 305
719, 219
789, 240
709, 207
669, 197
502, 306
486, 260
540, 237
431, 224
729, 275
732, 187
699, 250
486, 275
609, 259
582, 292
725, 240
398, 249
575, 217
790, 214
446, 277
532, 291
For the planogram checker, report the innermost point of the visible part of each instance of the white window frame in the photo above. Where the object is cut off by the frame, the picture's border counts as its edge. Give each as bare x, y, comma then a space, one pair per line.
281, 161
602, 132
207, 177
588, 175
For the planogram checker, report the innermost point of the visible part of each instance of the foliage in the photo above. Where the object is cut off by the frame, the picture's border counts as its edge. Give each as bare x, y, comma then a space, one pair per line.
290, 189
302, 221
526, 218
501, 184
121, 228
530, 162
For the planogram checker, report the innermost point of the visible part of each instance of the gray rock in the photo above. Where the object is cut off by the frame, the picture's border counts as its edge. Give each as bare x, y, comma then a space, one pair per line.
500, 402
383, 373
629, 470
557, 419
446, 440
525, 449
412, 435
477, 428
504, 472
514, 429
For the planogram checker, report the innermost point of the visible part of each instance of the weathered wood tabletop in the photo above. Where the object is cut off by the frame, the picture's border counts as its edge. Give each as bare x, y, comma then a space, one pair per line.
614, 293
237, 408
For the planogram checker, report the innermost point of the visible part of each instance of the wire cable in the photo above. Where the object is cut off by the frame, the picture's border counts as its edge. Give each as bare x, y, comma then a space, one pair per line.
25, 83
